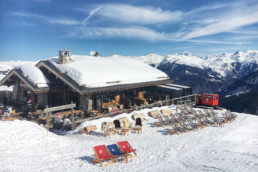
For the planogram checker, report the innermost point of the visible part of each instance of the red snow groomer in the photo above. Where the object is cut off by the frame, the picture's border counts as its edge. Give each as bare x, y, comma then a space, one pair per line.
207, 99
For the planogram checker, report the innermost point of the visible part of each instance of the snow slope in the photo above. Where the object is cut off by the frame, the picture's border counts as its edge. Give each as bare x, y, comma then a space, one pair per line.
26, 146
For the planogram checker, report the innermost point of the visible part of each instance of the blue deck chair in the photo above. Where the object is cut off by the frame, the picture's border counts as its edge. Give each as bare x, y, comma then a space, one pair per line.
115, 151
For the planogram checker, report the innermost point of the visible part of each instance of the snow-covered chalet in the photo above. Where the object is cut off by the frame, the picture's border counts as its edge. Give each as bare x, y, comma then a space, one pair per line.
92, 82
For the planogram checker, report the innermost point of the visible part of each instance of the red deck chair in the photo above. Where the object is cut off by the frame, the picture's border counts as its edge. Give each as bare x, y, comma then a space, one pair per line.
126, 147
101, 153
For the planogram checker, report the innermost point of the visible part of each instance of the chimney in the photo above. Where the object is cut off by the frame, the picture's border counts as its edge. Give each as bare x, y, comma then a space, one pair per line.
64, 56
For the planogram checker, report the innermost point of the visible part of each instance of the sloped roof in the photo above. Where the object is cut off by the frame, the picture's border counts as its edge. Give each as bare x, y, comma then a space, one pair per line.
25, 78
107, 71
87, 74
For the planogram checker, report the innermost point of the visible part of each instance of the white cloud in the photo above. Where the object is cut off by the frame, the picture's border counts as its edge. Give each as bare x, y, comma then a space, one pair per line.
224, 24
85, 21
213, 7
62, 21
126, 32
137, 15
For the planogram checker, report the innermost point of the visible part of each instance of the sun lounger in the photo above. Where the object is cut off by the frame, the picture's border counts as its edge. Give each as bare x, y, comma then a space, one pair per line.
193, 125
101, 153
114, 150
154, 114
233, 115
126, 147
166, 112
140, 115
89, 129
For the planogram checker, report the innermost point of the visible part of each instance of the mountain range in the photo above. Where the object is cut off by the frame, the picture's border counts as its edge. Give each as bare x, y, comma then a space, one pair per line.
227, 74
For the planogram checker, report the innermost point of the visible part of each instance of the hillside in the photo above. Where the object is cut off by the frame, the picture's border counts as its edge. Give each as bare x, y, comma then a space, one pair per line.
244, 103
205, 74
26, 146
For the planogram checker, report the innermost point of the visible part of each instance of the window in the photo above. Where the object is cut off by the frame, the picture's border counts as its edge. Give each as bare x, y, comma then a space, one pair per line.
210, 96
204, 96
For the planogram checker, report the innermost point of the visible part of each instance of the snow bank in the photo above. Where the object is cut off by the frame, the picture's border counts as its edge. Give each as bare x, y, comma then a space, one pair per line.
107, 71
25, 146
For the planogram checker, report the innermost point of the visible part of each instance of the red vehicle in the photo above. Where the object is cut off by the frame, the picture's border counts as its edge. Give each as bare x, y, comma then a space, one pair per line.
207, 99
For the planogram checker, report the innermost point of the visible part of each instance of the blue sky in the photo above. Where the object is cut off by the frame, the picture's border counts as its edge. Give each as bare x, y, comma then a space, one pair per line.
37, 29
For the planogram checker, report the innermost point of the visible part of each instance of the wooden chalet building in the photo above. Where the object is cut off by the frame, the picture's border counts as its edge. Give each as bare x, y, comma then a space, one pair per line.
93, 83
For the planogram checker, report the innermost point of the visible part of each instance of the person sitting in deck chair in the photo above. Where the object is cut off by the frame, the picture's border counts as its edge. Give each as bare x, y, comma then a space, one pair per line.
9, 111
117, 124
138, 122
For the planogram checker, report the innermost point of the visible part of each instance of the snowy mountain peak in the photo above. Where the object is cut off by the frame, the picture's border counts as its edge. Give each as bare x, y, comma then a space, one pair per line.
187, 53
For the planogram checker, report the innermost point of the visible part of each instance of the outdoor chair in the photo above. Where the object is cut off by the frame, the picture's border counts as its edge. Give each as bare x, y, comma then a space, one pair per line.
168, 121
114, 150
140, 115
232, 115
138, 125
105, 128
117, 124
126, 147
138, 122
161, 120
153, 114
101, 153
166, 111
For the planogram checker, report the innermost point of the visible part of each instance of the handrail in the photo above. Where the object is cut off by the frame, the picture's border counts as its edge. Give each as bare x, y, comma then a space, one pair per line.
189, 100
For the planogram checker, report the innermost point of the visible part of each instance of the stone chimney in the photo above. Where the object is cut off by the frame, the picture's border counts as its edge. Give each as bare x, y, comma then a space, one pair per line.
64, 56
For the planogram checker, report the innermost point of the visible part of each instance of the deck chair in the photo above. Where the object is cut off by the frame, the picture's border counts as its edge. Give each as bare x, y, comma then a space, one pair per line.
140, 115
201, 121
127, 124
105, 128
153, 114
232, 115
185, 127
161, 120
114, 150
194, 126
205, 117
101, 153
117, 124
138, 122
168, 121
126, 147
166, 111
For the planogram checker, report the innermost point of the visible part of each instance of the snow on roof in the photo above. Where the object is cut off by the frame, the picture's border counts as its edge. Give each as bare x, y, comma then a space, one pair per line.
176, 85
34, 74
108, 71
169, 87
5, 88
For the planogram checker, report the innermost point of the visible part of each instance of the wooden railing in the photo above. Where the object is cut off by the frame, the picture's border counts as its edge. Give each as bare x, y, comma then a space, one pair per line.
189, 100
